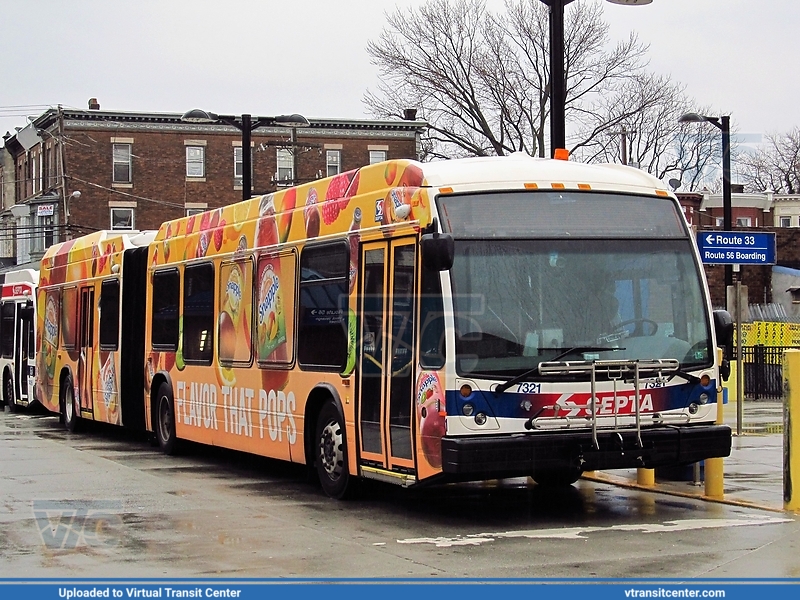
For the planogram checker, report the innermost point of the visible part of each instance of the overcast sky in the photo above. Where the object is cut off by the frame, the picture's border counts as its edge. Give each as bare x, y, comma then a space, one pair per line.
268, 57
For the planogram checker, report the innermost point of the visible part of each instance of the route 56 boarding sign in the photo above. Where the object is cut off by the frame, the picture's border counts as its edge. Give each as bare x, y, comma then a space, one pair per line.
736, 247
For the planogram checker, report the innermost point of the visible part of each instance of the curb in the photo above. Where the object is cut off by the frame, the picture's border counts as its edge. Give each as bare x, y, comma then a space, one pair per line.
627, 483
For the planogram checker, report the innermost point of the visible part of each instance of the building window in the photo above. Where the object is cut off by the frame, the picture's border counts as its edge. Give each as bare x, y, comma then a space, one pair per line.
743, 222
195, 161
122, 218
786, 221
238, 166
194, 211
285, 166
720, 221
47, 230
122, 163
333, 159
376, 156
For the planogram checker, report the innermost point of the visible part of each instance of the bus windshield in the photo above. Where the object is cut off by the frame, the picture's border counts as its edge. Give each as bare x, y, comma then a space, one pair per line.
519, 302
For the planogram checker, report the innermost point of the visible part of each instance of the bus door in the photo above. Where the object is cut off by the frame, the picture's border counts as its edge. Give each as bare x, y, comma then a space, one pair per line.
86, 347
386, 314
24, 359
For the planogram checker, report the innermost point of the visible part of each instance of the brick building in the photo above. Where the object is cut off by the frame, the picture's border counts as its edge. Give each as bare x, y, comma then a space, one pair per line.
70, 172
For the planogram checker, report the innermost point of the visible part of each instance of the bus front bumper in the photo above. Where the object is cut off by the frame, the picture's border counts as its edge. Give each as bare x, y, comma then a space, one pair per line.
515, 455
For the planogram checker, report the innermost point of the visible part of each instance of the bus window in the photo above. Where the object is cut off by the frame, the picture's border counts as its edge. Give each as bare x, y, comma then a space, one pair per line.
235, 321
166, 290
109, 315
198, 313
69, 311
7, 327
431, 343
322, 331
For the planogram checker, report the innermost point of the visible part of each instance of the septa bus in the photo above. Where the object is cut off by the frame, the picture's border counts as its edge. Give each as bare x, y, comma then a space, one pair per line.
407, 322
17, 334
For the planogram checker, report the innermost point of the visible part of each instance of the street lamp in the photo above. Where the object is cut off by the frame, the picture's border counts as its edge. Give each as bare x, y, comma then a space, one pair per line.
724, 124
558, 91
246, 124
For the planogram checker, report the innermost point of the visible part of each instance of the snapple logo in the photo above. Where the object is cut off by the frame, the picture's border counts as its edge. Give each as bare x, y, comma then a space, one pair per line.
269, 299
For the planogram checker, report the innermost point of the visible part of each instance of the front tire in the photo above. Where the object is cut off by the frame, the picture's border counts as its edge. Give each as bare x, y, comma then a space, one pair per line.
8, 394
331, 453
165, 419
71, 418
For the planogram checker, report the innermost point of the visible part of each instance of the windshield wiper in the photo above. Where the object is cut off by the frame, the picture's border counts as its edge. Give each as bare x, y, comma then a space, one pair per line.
566, 352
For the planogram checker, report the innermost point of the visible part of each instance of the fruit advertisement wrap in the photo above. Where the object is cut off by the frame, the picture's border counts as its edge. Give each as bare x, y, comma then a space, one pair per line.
430, 403
270, 317
234, 317
106, 388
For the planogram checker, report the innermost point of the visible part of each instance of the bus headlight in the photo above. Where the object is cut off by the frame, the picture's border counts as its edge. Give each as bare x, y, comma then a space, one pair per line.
703, 399
693, 408
467, 409
480, 419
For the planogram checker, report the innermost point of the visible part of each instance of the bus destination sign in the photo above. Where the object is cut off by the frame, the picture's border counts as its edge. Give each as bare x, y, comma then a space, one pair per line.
736, 247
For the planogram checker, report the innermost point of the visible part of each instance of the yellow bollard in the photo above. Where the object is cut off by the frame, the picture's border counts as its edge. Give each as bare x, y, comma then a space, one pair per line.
646, 476
714, 467
791, 429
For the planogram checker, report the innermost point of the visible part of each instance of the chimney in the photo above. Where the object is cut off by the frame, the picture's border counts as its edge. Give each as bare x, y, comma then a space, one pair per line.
94, 104
410, 114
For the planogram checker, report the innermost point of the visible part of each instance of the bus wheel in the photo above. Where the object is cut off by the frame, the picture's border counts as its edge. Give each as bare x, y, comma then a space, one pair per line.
165, 419
8, 394
331, 452
557, 477
71, 418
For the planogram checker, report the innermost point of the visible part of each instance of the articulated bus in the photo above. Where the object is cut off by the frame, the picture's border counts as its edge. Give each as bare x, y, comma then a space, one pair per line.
407, 322
17, 336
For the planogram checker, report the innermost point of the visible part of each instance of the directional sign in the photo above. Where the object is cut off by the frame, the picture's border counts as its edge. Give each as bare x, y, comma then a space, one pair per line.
736, 247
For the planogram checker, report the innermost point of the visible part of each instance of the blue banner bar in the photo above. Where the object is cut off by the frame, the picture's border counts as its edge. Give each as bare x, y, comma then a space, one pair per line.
333, 589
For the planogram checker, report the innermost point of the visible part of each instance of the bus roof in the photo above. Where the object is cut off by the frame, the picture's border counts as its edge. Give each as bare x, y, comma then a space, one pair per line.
22, 276
82, 248
518, 169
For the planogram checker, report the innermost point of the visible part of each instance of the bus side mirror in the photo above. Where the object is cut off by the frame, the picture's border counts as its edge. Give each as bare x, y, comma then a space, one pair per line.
723, 327
438, 251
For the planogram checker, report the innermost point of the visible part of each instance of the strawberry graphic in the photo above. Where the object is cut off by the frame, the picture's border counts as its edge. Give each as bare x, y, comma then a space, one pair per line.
330, 211
205, 221
190, 224
218, 235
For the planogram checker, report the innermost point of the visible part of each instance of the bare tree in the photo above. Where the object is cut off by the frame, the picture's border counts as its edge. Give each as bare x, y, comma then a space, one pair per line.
482, 81
776, 167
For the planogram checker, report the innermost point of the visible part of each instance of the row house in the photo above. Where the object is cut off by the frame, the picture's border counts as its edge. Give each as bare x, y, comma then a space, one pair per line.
70, 172
704, 210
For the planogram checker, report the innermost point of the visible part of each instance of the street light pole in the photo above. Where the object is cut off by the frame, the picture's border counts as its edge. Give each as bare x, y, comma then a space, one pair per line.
722, 123
246, 124
558, 88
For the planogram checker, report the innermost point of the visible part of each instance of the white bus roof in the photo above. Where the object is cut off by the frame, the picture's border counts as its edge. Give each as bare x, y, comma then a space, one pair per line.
515, 170
22, 276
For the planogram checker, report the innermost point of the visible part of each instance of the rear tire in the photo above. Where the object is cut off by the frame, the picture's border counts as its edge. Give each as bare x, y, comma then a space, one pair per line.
71, 418
331, 453
165, 419
8, 394
557, 477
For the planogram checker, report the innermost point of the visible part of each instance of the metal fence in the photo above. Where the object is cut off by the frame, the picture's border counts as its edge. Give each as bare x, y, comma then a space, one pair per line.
763, 371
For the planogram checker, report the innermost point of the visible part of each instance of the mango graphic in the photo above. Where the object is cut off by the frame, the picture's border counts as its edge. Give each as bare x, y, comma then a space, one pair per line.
284, 206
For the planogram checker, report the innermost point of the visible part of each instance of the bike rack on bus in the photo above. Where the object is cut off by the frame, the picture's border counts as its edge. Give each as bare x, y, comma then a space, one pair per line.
615, 370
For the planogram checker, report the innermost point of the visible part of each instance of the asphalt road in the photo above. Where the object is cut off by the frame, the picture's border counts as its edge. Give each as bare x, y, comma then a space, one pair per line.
105, 503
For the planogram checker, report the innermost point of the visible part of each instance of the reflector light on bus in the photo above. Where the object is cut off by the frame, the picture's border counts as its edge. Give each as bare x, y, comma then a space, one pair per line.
661, 193
446, 190
561, 154
531, 186
557, 186
584, 186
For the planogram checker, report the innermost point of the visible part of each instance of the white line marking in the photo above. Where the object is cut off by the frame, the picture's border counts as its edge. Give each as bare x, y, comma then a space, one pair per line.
578, 533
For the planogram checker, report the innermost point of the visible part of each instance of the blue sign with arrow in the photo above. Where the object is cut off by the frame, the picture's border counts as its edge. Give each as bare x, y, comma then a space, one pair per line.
736, 247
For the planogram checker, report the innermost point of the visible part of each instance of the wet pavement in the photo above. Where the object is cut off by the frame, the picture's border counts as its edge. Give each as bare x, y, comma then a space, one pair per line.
752, 474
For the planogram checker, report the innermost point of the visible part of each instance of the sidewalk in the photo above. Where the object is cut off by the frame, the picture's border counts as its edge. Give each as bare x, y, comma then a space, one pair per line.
753, 473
